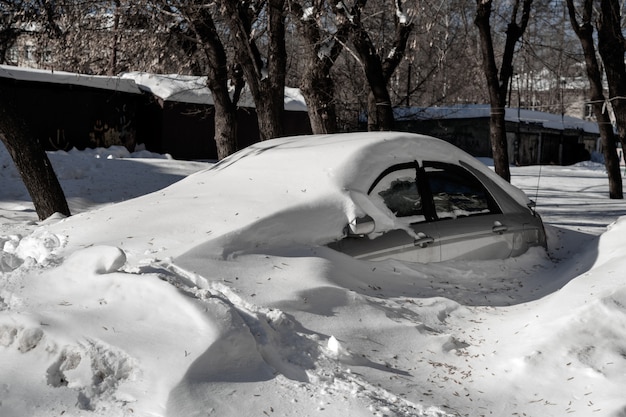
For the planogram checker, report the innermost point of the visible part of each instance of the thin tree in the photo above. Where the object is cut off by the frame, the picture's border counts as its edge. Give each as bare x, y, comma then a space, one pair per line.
498, 80
321, 50
378, 70
199, 15
116, 38
584, 31
441, 65
612, 46
256, 26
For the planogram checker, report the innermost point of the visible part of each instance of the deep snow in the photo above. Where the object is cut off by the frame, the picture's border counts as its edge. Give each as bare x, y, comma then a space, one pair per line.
121, 328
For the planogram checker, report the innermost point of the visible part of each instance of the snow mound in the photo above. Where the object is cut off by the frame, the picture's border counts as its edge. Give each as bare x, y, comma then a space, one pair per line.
96, 260
38, 247
119, 310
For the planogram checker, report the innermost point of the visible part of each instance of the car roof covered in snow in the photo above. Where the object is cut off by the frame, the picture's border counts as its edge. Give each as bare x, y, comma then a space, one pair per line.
351, 160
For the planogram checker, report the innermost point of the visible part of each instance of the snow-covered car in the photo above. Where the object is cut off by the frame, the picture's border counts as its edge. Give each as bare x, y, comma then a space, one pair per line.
374, 196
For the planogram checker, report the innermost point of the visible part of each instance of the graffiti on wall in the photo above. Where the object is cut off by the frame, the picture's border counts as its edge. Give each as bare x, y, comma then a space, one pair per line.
59, 142
104, 133
119, 133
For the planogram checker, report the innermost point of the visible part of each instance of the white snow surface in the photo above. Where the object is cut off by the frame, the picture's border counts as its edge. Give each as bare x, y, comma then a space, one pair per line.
62, 77
193, 89
120, 310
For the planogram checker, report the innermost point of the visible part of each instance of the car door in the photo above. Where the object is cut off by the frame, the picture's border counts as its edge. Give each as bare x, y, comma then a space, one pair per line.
397, 196
470, 223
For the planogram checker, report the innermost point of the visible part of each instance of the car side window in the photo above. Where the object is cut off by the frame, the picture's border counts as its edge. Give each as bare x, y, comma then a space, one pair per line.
397, 190
457, 192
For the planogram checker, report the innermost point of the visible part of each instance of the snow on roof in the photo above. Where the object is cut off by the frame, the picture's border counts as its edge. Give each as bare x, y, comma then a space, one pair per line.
193, 89
475, 111
169, 87
70, 78
173, 87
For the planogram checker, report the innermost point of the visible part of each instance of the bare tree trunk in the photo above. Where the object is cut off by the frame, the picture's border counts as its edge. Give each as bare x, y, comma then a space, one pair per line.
217, 80
27, 153
317, 85
318, 89
266, 80
611, 46
273, 86
225, 124
32, 163
498, 84
380, 111
584, 31
377, 71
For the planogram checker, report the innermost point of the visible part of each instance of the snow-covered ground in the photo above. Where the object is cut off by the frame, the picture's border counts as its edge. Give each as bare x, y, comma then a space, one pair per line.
120, 329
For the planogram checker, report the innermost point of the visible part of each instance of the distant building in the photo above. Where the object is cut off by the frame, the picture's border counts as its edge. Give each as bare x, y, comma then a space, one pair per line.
545, 91
65, 110
180, 115
533, 137
168, 113
24, 53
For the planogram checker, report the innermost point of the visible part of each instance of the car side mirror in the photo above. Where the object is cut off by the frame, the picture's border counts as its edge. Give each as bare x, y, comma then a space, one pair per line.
361, 226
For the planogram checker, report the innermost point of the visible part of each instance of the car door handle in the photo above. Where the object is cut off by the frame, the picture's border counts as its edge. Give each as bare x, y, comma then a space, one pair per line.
423, 240
499, 228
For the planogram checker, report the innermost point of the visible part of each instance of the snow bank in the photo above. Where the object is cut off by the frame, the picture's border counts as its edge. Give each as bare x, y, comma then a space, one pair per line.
97, 319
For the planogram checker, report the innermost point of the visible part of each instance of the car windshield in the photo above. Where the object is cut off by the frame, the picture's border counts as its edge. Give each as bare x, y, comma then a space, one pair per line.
456, 192
398, 192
